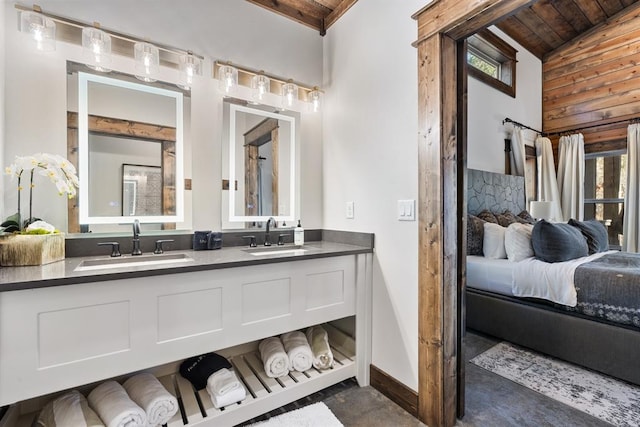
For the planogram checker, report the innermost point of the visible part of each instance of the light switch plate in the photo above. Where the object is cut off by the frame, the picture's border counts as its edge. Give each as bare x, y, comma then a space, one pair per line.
406, 210
350, 210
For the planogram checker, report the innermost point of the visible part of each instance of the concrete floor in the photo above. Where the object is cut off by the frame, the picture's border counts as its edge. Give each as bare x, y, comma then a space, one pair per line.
491, 400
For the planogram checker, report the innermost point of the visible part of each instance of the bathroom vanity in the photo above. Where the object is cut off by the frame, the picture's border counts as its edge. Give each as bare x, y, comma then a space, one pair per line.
77, 322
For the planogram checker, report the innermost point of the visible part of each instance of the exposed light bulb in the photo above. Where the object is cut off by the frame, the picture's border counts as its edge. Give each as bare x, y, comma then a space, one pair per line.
189, 66
228, 77
261, 86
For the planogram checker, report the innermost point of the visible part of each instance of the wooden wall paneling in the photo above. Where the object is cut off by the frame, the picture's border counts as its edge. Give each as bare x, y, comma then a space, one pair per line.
593, 78
290, 12
251, 180
617, 25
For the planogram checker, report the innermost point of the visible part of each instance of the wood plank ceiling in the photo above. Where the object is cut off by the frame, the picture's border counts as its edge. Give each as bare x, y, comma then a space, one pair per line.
548, 24
317, 14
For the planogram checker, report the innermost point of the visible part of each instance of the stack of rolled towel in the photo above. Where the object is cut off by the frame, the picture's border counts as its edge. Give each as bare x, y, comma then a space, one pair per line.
296, 351
70, 409
158, 404
319, 342
274, 357
215, 373
114, 406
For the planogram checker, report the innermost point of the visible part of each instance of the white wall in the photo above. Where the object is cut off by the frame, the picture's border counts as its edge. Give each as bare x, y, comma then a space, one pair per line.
370, 157
487, 107
224, 29
4, 211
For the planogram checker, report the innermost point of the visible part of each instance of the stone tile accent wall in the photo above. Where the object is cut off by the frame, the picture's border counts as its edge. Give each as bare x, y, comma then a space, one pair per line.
495, 192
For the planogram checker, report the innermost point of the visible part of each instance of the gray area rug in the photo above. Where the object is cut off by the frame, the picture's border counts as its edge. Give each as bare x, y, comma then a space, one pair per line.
603, 397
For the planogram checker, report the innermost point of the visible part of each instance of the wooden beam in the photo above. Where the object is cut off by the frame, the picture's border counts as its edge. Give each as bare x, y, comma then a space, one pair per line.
441, 207
257, 134
124, 128
336, 13
437, 277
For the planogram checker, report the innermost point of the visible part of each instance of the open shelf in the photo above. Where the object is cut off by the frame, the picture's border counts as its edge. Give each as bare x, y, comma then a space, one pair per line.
263, 393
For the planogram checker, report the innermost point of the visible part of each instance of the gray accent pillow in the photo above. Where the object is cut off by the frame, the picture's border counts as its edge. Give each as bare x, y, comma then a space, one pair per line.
594, 232
475, 235
557, 242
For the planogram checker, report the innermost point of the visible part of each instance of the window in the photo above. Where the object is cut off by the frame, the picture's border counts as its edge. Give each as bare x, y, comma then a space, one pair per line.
493, 61
605, 180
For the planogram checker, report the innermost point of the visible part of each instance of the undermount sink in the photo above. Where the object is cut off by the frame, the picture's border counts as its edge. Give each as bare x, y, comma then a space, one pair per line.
132, 261
276, 250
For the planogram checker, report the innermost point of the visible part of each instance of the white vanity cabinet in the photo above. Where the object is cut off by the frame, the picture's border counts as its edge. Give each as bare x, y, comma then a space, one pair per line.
60, 337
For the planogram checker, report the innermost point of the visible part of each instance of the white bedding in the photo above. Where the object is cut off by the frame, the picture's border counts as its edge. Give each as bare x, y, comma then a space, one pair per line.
527, 278
493, 275
550, 281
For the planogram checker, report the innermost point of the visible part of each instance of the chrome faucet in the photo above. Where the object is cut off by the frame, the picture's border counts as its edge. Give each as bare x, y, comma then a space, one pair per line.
136, 240
267, 237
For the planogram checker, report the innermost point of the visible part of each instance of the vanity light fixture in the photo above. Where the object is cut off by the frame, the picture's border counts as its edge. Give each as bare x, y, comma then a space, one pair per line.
96, 46
147, 58
228, 78
189, 66
315, 99
41, 28
260, 86
289, 95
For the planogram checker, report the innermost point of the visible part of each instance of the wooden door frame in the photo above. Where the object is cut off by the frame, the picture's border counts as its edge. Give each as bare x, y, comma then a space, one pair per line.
109, 126
265, 131
443, 25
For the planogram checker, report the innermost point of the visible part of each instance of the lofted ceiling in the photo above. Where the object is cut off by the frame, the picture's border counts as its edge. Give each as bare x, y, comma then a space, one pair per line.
317, 14
548, 24
540, 28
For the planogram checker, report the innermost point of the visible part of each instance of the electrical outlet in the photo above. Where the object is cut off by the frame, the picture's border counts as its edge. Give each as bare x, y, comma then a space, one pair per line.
350, 210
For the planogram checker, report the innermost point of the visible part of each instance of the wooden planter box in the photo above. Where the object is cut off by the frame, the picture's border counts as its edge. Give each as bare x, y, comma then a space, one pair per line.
31, 249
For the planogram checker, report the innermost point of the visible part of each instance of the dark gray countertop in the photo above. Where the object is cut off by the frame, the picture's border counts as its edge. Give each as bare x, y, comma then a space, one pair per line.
63, 272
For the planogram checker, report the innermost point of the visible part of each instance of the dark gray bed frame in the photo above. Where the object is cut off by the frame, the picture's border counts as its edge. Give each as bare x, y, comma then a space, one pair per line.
605, 347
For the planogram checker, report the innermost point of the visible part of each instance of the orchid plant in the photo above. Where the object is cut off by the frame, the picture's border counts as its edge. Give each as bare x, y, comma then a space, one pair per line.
58, 169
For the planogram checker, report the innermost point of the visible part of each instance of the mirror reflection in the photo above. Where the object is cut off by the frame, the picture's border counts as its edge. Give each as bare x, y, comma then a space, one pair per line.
261, 149
129, 152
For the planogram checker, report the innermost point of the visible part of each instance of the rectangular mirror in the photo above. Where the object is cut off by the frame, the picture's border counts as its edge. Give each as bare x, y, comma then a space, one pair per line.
129, 152
261, 150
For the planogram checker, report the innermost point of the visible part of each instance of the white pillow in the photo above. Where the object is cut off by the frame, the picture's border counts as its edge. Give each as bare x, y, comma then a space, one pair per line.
517, 241
493, 241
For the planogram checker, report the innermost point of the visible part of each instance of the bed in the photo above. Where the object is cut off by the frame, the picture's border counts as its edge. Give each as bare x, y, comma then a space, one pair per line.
600, 335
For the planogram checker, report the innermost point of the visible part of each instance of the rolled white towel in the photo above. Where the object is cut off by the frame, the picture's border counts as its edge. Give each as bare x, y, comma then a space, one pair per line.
112, 403
275, 359
222, 382
297, 348
159, 405
70, 409
319, 342
233, 396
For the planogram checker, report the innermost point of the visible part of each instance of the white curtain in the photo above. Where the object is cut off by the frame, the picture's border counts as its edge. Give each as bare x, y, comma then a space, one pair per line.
631, 224
517, 152
547, 182
571, 176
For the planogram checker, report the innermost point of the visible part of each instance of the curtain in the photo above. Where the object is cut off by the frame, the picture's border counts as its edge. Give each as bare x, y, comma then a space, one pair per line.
571, 176
631, 222
547, 182
517, 152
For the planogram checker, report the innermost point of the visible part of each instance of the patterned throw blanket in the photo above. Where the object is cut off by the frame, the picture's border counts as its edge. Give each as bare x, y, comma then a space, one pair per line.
609, 288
